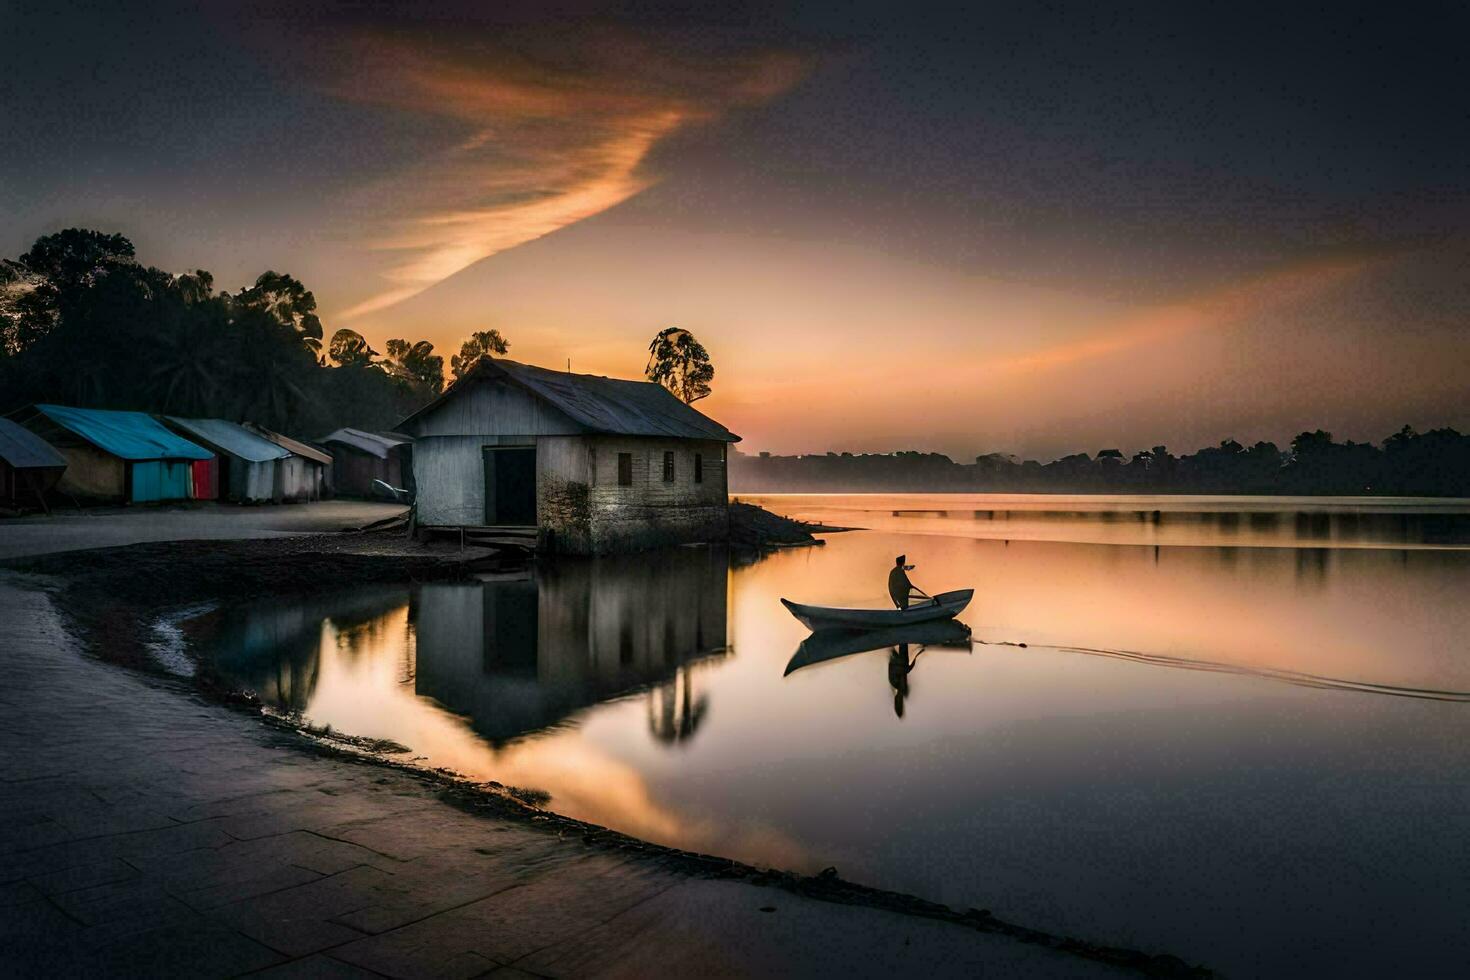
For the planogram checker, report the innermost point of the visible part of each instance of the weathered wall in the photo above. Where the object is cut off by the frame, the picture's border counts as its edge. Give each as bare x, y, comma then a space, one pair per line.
651, 513
252, 482
579, 504
354, 471
449, 477
563, 493
493, 406
297, 479
90, 472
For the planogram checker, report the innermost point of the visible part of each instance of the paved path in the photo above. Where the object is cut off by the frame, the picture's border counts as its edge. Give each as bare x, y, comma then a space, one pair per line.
109, 527
144, 831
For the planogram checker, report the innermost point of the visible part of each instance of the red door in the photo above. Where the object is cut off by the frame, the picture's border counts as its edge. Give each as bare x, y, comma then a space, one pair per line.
205, 479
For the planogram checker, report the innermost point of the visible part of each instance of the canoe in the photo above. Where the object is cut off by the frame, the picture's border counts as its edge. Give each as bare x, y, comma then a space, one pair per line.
947, 605
830, 644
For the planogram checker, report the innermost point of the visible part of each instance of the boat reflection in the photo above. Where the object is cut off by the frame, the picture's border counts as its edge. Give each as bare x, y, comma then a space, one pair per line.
826, 645
519, 655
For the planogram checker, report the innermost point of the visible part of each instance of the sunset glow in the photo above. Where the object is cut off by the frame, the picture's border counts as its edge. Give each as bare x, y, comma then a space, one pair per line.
888, 237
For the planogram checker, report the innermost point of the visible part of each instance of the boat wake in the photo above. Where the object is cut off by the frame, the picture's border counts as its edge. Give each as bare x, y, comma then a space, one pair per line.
1270, 673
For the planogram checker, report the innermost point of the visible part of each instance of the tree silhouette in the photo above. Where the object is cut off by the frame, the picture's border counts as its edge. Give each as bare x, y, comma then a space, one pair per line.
417, 364
83, 322
289, 302
680, 363
350, 349
481, 344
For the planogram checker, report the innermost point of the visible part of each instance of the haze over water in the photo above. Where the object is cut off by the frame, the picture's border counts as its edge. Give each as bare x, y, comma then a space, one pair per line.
1233, 719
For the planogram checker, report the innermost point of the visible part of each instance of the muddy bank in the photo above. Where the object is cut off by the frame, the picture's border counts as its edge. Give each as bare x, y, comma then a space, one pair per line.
756, 529
115, 595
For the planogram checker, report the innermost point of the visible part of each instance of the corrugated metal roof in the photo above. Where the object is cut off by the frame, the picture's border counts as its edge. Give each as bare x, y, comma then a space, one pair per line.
129, 435
23, 449
231, 438
368, 442
610, 405
293, 446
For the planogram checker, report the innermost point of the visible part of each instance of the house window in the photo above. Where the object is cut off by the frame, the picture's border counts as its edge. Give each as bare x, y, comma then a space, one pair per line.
698, 467
668, 467
625, 469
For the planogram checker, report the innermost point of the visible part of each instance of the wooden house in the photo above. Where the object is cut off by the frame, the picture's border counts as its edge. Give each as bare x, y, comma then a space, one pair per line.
595, 465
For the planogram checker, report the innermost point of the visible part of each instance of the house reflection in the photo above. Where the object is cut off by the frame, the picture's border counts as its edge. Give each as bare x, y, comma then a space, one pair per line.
517, 655
274, 648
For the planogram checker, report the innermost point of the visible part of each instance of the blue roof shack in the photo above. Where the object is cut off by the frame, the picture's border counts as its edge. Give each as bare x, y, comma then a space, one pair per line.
118, 456
29, 466
248, 463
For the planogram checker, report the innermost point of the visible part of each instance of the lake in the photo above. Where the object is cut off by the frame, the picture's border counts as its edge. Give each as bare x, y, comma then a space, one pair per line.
1237, 730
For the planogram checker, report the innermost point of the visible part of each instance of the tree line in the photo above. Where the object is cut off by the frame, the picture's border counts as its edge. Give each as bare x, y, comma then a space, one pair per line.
1409, 463
83, 322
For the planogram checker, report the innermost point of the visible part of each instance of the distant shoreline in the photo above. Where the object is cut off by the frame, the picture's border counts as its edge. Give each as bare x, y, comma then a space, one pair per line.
1181, 495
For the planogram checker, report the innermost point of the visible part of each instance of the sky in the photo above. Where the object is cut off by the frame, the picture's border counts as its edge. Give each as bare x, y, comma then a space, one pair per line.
1030, 228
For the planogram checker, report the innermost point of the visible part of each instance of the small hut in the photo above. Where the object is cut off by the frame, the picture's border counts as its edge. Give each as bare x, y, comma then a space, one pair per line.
359, 458
302, 475
118, 456
593, 464
29, 466
248, 465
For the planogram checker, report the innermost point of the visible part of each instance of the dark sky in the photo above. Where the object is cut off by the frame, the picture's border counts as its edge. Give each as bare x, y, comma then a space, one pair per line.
1027, 227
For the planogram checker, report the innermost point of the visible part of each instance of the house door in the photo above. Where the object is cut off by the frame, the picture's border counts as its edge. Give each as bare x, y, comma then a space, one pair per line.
510, 486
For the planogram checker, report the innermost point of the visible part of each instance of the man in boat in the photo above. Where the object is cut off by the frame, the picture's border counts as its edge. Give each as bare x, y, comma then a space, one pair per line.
900, 589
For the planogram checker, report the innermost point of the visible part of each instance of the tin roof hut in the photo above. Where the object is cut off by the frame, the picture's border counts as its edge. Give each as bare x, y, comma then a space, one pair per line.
359, 458
29, 466
247, 463
119, 456
303, 474
593, 464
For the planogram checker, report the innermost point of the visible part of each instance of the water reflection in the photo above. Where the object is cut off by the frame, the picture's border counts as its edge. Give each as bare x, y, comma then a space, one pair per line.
824, 646
1238, 521
515, 654
275, 649
1209, 749
520, 655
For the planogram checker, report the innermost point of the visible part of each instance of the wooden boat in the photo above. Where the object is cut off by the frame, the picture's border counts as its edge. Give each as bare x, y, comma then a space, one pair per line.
946, 605
830, 644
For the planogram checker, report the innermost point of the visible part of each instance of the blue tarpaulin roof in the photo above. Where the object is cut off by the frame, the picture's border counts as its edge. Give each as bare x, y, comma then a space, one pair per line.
23, 449
231, 438
128, 435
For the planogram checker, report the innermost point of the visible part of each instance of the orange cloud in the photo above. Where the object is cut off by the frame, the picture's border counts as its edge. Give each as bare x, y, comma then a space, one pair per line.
1232, 303
549, 141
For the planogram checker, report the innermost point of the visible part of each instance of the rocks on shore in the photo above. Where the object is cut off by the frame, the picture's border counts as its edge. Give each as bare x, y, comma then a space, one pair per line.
756, 528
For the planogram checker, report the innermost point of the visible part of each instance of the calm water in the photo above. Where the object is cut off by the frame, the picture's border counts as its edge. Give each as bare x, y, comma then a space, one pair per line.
1238, 731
